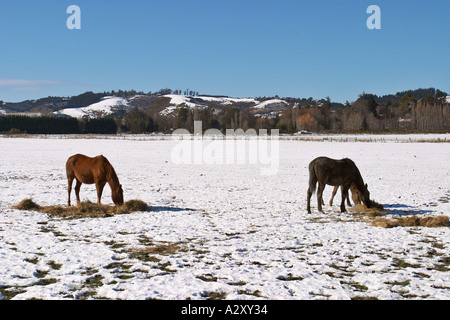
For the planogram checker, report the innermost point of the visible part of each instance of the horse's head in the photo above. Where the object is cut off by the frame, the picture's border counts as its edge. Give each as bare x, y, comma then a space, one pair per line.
117, 196
366, 197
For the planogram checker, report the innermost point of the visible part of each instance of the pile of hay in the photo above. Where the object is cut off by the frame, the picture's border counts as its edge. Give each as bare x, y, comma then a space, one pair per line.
27, 204
376, 209
84, 209
412, 221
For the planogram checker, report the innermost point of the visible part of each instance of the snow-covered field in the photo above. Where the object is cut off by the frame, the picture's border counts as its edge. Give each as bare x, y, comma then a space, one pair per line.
223, 230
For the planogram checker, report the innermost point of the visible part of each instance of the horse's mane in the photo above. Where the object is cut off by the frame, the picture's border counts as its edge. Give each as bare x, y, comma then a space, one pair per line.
111, 175
360, 182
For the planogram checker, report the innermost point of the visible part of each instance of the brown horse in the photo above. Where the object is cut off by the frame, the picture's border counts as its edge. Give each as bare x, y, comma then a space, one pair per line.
96, 170
343, 173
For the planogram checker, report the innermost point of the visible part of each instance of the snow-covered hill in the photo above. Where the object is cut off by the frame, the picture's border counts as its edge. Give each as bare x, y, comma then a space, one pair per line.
219, 102
106, 106
111, 104
202, 102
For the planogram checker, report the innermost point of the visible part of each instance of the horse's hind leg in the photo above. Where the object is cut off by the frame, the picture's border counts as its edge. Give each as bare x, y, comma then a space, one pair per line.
77, 190
319, 195
308, 201
311, 191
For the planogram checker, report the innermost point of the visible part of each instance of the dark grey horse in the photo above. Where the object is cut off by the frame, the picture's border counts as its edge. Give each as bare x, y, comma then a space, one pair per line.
333, 172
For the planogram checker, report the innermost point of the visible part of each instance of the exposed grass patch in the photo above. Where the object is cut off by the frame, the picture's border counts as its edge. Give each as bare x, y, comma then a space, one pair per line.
399, 283
443, 265
356, 286
364, 298
237, 283
152, 254
290, 277
207, 278
46, 282
162, 249
33, 260
214, 295
255, 293
400, 263
84, 209
94, 281
9, 292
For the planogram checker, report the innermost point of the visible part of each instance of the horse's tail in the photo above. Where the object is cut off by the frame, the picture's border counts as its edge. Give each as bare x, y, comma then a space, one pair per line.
312, 178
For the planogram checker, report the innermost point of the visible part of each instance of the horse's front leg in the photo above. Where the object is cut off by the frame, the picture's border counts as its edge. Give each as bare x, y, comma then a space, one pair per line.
344, 190
99, 186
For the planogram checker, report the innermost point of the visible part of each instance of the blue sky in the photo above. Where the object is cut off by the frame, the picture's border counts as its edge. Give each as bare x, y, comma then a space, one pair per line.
240, 48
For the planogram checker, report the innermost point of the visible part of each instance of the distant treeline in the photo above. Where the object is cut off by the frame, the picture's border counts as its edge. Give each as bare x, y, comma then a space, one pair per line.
367, 114
429, 114
51, 125
421, 110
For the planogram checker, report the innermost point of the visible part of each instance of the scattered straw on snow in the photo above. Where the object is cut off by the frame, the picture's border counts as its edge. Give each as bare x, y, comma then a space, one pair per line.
92, 210
84, 209
412, 221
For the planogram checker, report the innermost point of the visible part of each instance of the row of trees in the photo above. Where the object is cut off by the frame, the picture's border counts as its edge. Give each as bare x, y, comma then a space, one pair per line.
139, 121
51, 125
431, 113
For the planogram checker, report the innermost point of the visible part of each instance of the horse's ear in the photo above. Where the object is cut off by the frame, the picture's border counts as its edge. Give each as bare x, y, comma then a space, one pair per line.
366, 186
